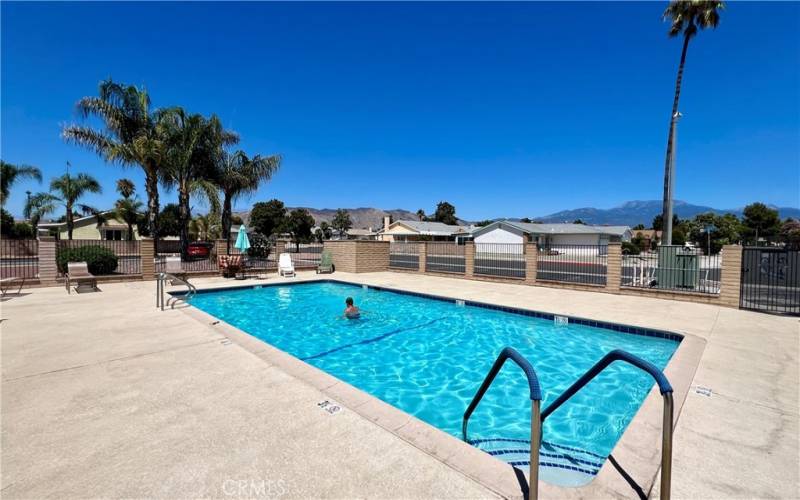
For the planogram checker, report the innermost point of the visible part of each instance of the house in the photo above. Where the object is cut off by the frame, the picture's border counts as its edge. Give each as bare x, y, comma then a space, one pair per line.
106, 226
546, 235
414, 230
649, 236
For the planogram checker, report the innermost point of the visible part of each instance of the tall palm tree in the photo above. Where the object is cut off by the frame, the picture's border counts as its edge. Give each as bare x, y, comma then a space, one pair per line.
192, 144
65, 191
128, 207
10, 173
686, 17
236, 175
130, 136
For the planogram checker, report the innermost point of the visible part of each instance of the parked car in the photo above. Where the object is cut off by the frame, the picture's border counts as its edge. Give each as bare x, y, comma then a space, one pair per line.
199, 250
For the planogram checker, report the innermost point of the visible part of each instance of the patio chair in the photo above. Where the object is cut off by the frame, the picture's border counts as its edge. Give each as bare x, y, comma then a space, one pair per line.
79, 275
325, 263
229, 265
709, 286
172, 265
7, 284
285, 266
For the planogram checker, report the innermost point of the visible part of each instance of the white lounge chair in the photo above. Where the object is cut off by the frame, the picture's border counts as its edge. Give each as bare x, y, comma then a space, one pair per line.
173, 266
7, 284
285, 266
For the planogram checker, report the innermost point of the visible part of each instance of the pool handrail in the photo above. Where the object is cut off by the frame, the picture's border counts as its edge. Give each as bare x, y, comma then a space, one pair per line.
535, 397
162, 278
663, 386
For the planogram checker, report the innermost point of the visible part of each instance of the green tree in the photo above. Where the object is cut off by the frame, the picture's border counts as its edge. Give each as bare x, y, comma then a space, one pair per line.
790, 234
760, 221
65, 191
298, 225
129, 136
323, 232
268, 218
658, 223
168, 224
714, 230
526, 220
579, 221
6, 224
445, 213
10, 174
421, 215
685, 17
128, 207
484, 222
638, 227
205, 227
341, 222
192, 147
237, 174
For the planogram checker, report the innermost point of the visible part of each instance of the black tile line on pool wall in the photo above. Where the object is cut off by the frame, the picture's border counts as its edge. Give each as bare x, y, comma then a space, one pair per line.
633, 330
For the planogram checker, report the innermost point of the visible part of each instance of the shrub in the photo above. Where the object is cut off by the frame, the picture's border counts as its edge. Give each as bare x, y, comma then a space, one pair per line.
260, 246
629, 248
100, 260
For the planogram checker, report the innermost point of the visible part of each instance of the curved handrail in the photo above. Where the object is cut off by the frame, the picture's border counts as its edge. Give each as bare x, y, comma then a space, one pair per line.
516, 357
666, 392
615, 355
162, 277
535, 394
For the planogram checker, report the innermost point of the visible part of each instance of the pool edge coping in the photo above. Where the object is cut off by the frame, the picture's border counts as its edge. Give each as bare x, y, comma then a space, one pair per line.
638, 450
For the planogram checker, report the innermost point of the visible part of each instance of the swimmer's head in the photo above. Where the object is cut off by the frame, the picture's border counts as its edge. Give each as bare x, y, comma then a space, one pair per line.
349, 301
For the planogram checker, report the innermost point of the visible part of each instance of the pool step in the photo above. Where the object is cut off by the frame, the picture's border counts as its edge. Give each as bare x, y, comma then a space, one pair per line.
516, 452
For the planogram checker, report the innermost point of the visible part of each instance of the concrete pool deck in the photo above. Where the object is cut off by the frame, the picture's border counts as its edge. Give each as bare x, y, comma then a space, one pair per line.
103, 395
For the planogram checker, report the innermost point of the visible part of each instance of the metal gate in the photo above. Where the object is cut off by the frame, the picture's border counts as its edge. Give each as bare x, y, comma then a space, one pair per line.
770, 280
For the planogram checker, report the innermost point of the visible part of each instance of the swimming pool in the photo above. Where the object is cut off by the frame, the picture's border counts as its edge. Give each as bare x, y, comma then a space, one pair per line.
428, 357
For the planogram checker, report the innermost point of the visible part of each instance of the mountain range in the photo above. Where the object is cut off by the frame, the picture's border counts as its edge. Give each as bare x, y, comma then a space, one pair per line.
629, 213
632, 213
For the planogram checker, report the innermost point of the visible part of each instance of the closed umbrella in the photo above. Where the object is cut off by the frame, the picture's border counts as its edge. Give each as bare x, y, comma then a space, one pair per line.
242, 241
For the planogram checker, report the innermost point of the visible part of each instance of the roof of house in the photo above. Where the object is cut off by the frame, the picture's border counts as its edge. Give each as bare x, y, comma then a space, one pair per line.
429, 228
108, 223
536, 228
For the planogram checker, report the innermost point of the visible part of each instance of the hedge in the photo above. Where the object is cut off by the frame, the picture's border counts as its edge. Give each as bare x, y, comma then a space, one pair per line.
100, 260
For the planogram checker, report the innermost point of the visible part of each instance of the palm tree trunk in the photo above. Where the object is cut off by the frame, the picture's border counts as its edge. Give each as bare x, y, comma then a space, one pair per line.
130, 231
668, 173
151, 187
226, 221
183, 217
70, 223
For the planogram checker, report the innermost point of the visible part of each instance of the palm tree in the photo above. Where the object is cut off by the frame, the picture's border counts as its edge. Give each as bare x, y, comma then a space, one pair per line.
65, 191
685, 16
421, 214
205, 227
128, 207
237, 175
130, 136
9, 174
192, 145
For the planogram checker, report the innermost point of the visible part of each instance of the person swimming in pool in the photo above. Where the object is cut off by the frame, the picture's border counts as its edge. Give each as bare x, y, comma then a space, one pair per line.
351, 311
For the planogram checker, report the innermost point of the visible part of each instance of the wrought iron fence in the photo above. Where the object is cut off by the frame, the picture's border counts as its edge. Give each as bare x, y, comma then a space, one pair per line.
19, 258
445, 257
770, 280
403, 255
675, 268
128, 253
502, 260
201, 263
584, 264
304, 255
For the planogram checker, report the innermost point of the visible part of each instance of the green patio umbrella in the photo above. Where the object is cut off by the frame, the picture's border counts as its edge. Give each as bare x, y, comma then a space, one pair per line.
242, 241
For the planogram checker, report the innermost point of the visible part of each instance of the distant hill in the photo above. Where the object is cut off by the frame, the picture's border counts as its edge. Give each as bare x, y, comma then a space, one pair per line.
632, 213
363, 218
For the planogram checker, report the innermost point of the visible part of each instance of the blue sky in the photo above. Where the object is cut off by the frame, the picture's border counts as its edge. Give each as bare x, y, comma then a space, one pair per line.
515, 109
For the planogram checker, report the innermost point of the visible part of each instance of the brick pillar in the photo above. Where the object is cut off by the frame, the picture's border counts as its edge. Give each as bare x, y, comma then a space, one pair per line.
469, 259
730, 281
147, 251
614, 267
280, 247
48, 270
531, 260
422, 248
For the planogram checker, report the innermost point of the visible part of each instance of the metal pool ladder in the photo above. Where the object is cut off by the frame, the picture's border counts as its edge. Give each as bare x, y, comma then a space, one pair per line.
537, 417
172, 300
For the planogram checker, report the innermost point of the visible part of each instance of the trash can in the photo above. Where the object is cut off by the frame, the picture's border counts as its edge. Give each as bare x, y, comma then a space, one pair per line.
678, 267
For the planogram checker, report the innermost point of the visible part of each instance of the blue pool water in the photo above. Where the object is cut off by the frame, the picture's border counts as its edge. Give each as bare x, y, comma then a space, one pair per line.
428, 357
